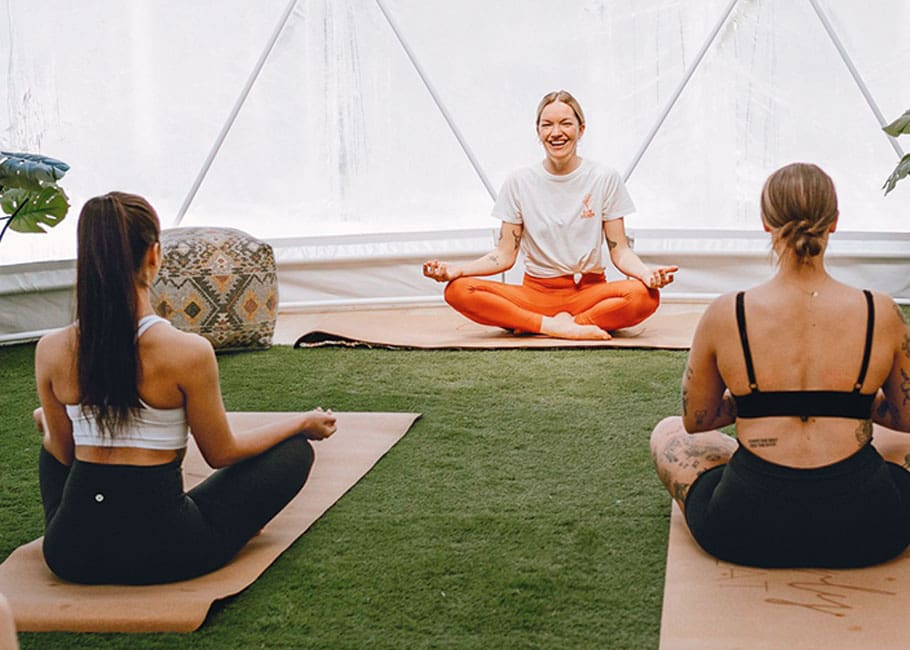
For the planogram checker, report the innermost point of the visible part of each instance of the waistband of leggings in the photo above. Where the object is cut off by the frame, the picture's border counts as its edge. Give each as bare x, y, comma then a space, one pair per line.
857, 464
563, 281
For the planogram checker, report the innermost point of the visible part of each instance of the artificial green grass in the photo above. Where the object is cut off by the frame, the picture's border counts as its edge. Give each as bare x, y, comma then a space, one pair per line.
520, 511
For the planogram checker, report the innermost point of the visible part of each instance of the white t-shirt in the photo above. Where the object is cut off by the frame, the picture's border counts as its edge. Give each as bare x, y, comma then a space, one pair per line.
563, 216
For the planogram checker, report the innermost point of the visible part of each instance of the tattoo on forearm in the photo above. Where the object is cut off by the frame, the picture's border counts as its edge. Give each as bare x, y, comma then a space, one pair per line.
864, 432
611, 244
493, 258
762, 442
685, 401
884, 413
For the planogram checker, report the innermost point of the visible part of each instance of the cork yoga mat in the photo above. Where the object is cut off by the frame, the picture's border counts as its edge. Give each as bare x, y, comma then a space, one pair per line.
41, 602
442, 328
713, 605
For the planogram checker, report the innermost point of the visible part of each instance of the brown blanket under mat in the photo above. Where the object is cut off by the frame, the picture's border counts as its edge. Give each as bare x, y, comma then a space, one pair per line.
439, 328
41, 602
713, 605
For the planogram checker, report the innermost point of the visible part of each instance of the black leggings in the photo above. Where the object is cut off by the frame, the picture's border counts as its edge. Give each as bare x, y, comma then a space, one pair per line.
127, 524
850, 514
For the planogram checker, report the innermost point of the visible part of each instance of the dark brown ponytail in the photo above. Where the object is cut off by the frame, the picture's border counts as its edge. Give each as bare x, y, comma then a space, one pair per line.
114, 234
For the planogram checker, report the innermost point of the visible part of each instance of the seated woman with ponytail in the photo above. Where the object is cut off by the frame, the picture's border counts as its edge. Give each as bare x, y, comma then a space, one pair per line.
119, 390
802, 365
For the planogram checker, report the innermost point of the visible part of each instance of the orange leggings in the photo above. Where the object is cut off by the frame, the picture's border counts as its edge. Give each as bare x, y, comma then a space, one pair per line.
593, 301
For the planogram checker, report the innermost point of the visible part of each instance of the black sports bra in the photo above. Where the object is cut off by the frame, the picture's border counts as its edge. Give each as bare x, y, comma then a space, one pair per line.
805, 403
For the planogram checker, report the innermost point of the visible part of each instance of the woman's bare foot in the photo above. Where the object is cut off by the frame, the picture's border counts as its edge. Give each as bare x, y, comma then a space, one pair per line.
563, 326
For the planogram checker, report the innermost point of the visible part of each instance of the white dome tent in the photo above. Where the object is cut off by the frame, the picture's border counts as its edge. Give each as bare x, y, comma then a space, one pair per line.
361, 137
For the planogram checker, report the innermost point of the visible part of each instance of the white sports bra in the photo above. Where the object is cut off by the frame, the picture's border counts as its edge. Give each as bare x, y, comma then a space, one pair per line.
149, 428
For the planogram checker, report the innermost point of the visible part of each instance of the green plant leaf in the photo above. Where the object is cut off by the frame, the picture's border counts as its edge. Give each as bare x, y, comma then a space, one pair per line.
36, 210
29, 171
898, 126
902, 169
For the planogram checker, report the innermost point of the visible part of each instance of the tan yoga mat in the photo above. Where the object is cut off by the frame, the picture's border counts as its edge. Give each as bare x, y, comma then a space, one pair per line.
41, 602
713, 605
441, 327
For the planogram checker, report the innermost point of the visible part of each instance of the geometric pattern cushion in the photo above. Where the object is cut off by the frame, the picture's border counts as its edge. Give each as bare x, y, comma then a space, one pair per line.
218, 282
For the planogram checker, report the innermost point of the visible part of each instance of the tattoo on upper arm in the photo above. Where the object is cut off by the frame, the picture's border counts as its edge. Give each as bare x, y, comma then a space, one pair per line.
516, 239
685, 390
864, 432
762, 442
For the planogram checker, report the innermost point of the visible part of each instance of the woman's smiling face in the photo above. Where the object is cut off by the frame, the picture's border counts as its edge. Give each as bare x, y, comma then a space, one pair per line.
559, 130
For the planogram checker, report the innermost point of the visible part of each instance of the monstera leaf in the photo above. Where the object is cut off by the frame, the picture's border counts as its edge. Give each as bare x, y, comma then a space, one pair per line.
35, 211
29, 194
29, 171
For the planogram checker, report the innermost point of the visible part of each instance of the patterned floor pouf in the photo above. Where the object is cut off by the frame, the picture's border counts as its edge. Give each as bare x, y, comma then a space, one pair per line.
218, 282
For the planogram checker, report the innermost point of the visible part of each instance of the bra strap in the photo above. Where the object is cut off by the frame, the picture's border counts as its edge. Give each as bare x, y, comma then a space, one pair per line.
870, 330
741, 323
146, 322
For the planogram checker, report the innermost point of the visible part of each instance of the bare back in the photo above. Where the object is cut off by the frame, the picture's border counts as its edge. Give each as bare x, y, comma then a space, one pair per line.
800, 341
162, 351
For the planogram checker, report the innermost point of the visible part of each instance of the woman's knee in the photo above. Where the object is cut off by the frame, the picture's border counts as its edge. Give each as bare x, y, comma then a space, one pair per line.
457, 291
299, 451
668, 427
645, 299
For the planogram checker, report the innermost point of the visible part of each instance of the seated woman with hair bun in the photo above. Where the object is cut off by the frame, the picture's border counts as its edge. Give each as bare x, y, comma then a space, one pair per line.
558, 213
120, 389
802, 365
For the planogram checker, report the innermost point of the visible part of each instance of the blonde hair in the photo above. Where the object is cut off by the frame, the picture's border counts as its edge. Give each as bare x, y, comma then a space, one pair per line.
566, 98
799, 204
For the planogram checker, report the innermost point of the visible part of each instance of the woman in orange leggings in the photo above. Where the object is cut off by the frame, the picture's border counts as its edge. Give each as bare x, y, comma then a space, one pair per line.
558, 214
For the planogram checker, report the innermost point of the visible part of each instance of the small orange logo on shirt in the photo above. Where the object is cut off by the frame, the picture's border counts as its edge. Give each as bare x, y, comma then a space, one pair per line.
586, 211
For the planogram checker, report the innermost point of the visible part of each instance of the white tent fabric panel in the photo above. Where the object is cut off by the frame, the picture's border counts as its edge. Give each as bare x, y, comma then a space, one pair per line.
339, 140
